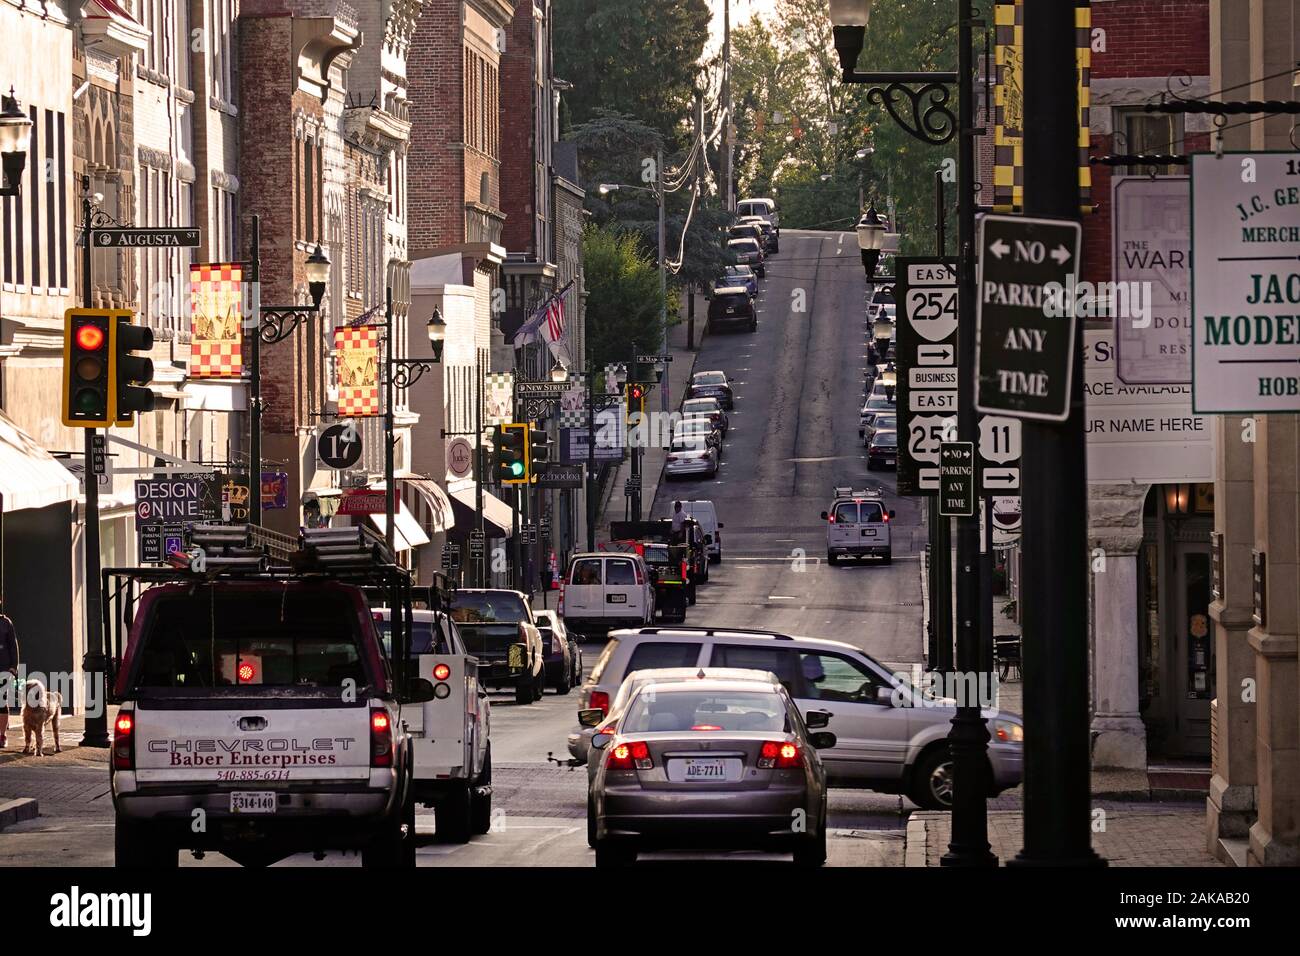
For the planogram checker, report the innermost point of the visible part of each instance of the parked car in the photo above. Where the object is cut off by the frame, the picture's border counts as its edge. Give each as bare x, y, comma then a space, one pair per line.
691, 455
762, 206
731, 307
765, 229
857, 525
733, 276
712, 385
892, 737
732, 762
748, 252
747, 230
708, 408
878, 422
699, 427
562, 652
706, 514
499, 629
875, 405
603, 591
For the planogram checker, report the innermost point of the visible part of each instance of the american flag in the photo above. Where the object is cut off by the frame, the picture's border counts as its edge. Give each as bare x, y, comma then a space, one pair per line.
553, 329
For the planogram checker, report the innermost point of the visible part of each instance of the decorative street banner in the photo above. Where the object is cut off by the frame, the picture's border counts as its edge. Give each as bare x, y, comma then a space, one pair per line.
926, 293
362, 501
1140, 433
216, 313
356, 356
498, 398
1151, 297
1245, 282
1009, 104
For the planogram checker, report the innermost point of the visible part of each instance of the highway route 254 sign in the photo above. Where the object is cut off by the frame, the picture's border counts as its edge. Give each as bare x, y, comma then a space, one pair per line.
927, 393
1025, 316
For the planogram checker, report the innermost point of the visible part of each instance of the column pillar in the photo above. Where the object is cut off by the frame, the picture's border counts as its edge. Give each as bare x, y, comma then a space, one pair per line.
1230, 807
1119, 738
1275, 835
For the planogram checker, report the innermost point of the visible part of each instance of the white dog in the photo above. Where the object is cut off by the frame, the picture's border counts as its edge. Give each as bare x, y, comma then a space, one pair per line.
40, 707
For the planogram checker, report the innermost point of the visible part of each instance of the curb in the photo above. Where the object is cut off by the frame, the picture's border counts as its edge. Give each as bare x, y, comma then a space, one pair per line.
18, 810
916, 842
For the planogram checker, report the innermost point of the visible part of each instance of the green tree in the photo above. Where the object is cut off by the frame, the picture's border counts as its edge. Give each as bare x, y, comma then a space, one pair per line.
623, 300
638, 57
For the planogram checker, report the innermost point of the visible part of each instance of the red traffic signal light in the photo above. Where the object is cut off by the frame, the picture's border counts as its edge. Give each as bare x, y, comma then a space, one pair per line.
636, 391
87, 367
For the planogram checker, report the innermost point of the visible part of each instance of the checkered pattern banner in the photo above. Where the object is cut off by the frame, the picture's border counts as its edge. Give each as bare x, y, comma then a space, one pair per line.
356, 357
1009, 105
573, 407
216, 311
498, 398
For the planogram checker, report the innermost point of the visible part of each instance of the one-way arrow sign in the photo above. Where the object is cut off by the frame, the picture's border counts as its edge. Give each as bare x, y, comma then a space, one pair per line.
1024, 316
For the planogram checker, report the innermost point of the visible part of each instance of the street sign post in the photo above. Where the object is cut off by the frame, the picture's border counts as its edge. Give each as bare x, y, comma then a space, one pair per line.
927, 394
126, 237
999, 454
1245, 334
957, 479
541, 389
1024, 316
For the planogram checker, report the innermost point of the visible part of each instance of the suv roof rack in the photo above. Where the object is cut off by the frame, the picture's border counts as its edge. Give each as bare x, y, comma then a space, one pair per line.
847, 491
714, 631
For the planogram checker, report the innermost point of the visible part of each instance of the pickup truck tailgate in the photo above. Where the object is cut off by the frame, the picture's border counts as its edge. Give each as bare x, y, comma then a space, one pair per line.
243, 743
441, 728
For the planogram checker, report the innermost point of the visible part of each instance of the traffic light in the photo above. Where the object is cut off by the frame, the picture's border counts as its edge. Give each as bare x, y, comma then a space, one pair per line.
635, 399
510, 454
87, 348
129, 373
539, 451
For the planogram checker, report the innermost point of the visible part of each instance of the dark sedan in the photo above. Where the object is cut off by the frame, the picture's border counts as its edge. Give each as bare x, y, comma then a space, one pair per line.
710, 764
713, 385
882, 450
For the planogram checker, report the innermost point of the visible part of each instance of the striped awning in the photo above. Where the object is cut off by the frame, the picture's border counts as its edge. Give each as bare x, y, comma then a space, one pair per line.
30, 477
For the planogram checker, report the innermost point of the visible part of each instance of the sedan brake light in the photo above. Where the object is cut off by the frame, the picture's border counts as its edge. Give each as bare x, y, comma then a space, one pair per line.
632, 755
781, 754
599, 700
706, 727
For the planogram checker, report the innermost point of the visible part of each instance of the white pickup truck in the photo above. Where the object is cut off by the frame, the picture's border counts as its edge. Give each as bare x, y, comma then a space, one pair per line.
259, 716
450, 734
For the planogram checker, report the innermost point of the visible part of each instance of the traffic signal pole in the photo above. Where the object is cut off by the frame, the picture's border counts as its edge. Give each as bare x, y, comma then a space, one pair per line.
94, 664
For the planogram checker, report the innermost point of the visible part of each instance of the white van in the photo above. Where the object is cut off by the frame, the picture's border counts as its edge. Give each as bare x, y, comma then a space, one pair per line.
764, 209
857, 526
707, 515
606, 590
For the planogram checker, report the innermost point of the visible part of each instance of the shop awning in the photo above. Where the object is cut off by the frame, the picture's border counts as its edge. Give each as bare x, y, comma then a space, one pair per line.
495, 511
30, 477
428, 501
407, 533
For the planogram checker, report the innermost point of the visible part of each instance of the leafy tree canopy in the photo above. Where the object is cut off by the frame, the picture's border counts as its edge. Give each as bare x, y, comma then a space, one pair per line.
623, 300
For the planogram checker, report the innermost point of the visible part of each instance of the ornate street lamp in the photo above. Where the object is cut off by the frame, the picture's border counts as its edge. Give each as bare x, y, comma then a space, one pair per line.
437, 333
15, 138
871, 239
317, 268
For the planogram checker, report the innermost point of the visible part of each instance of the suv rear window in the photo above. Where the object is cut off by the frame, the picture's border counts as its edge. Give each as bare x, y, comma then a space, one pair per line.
272, 638
500, 607
662, 654
732, 300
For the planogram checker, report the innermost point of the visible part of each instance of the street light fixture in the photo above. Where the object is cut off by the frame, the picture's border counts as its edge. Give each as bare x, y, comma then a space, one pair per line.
871, 239
437, 333
317, 268
849, 25
559, 374
15, 138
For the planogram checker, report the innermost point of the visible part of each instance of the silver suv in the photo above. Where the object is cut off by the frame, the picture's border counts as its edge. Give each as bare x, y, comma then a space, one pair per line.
891, 736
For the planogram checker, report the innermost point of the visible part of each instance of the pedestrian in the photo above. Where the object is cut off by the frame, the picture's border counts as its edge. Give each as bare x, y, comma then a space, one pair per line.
9, 666
679, 523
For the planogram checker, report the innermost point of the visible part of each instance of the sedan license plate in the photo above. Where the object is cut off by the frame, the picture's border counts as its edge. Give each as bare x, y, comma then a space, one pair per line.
889, 461
705, 769
253, 801
616, 598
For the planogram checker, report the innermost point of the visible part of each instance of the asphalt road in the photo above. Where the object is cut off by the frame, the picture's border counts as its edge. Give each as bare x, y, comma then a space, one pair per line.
793, 437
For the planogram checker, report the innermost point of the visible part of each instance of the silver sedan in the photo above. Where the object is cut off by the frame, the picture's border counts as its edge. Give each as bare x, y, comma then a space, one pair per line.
711, 764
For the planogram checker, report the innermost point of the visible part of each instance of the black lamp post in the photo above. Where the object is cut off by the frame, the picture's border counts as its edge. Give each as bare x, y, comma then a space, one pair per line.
401, 374
273, 324
15, 138
919, 103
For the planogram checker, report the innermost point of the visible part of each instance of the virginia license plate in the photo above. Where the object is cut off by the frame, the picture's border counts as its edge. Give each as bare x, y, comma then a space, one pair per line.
705, 769
617, 598
253, 801
868, 532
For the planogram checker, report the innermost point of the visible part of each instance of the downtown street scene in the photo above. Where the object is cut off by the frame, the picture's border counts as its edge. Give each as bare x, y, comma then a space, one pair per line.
789, 439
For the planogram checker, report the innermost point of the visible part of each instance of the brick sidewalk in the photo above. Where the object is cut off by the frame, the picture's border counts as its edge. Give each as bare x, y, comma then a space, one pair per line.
1133, 835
